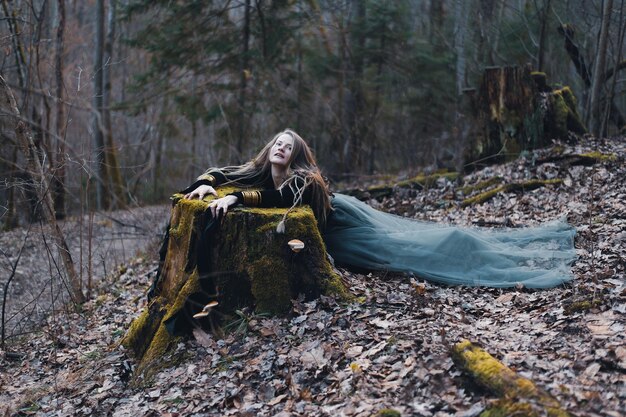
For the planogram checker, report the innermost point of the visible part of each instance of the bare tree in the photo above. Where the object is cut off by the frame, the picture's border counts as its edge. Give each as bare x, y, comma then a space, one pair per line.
619, 64
460, 31
59, 170
244, 71
102, 191
543, 21
11, 219
36, 171
599, 69
114, 176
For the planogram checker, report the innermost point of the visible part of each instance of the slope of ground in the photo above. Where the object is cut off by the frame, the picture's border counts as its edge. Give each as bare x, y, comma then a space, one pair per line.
388, 350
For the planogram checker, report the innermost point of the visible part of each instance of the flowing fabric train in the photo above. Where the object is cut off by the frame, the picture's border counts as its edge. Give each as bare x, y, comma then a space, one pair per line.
536, 257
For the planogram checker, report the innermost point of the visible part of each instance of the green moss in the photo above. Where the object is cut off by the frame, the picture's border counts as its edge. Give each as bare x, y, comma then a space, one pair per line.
142, 329
511, 407
560, 110
564, 114
483, 367
568, 96
508, 408
519, 395
425, 181
520, 186
183, 216
600, 157
156, 356
580, 306
388, 412
147, 336
247, 253
469, 189
532, 184
269, 287
482, 197
191, 285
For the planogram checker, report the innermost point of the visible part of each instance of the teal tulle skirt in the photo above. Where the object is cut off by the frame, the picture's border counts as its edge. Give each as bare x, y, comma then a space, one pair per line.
359, 236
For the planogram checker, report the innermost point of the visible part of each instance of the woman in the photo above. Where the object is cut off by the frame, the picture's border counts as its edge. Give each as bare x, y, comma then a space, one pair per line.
285, 170
359, 236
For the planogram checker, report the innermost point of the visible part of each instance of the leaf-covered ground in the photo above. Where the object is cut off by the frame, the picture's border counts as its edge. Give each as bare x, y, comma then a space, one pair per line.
390, 349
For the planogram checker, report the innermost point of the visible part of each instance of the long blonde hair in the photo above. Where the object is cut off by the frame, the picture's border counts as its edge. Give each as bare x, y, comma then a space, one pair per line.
302, 165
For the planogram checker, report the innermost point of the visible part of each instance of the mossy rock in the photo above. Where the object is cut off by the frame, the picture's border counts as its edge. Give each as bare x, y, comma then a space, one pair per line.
244, 262
518, 396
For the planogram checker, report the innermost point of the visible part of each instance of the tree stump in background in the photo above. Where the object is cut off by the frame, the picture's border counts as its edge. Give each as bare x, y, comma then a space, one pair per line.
238, 261
515, 110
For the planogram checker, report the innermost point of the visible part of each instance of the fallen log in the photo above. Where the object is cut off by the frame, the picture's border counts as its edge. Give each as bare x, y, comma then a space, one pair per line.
418, 182
216, 267
516, 186
518, 396
585, 159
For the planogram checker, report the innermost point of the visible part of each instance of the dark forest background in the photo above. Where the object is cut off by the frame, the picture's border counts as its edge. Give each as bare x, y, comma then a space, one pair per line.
129, 100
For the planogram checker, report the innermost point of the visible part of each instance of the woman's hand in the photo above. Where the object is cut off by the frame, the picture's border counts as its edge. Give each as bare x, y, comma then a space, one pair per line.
222, 204
201, 192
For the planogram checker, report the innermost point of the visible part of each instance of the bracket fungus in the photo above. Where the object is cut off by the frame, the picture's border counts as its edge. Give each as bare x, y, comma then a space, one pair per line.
296, 245
206, 310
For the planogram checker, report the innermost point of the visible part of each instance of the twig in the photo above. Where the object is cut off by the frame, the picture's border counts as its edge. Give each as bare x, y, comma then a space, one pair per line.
6, 285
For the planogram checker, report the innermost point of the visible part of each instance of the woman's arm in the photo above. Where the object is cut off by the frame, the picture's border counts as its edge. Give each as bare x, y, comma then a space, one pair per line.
206, 183
210, 179
295, 193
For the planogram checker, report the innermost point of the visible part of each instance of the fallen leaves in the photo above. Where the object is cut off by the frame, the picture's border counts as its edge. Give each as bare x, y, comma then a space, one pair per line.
389, 349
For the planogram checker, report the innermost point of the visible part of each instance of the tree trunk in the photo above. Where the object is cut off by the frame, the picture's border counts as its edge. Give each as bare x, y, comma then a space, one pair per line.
238, 261
499, 16
516, 110
599, 69
58, 185
356, 107
377, 105
10, 219
36, 171
102, 187
314, 5
436, 26
619, 64
460, 30
581, 67
243, 80
340, 138
18, 49
118, 198
542, 35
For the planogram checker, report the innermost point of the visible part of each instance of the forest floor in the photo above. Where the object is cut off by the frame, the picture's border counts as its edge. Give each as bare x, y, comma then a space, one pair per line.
391, 349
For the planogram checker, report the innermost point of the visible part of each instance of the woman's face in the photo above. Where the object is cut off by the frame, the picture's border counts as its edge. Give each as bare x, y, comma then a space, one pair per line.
280, 153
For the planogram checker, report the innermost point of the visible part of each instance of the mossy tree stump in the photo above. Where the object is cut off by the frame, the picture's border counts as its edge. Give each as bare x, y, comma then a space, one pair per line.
515, 110
239, 260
